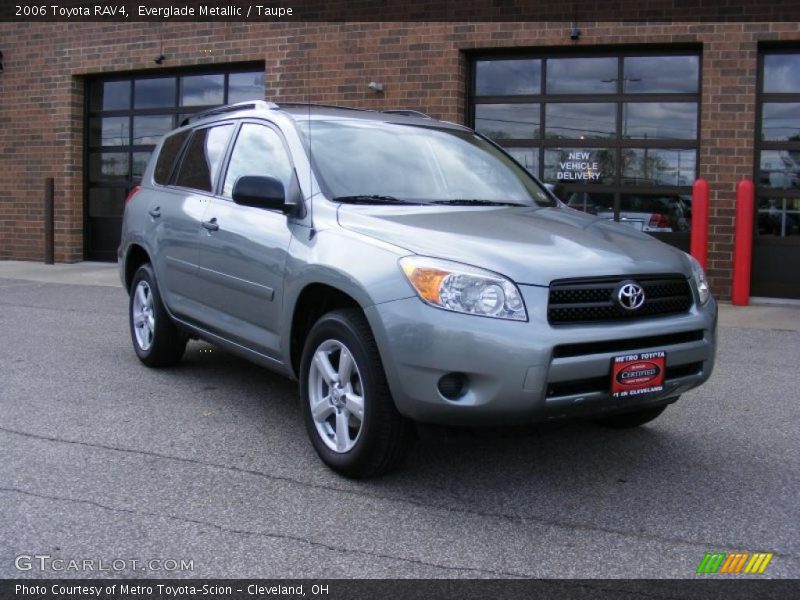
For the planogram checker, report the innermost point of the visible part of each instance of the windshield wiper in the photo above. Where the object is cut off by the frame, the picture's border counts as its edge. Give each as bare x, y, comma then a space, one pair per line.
476, 201
371, 199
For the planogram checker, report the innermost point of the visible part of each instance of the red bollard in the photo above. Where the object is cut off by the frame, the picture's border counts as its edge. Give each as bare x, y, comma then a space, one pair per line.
698, 246
743, 242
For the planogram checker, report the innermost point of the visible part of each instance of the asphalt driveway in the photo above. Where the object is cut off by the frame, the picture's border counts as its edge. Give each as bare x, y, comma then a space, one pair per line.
209, 462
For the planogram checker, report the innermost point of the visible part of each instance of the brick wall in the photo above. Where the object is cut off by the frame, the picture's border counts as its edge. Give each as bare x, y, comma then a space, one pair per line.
422, 65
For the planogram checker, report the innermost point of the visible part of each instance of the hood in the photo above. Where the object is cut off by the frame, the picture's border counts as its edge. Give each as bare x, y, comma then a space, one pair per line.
532, 245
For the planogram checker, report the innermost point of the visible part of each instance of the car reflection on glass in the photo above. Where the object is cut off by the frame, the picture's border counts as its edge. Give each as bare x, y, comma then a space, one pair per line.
648, 213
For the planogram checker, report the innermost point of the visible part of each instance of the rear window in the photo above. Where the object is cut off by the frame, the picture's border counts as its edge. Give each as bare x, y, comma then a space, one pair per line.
201, 161
169, 152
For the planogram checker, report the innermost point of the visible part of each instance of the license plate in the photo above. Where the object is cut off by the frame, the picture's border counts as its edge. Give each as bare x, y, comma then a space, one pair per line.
635, 374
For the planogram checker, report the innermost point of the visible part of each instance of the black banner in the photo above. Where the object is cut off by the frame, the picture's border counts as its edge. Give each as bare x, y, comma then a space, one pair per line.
271, 11
337, 589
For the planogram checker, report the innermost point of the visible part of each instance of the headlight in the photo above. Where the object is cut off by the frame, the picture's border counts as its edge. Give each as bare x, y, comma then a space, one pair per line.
700, 279
462, 288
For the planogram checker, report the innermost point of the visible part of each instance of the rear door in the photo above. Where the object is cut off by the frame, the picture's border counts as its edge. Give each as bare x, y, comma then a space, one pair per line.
176, 212
244, 250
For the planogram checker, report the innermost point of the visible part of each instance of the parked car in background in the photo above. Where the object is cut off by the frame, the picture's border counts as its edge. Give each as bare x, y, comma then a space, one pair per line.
404, 270
650, 213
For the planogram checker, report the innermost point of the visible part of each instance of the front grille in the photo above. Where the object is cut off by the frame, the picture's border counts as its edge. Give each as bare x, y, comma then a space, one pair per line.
590, 300
603, 384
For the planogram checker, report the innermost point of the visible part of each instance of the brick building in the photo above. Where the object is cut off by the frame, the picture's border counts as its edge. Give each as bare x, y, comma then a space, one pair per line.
626, 117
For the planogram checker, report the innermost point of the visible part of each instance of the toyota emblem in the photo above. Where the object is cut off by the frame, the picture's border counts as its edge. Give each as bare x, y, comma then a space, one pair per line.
630, 296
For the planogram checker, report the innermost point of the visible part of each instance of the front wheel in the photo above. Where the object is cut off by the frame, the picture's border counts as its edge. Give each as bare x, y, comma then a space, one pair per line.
156, 339
347, 406
631, 419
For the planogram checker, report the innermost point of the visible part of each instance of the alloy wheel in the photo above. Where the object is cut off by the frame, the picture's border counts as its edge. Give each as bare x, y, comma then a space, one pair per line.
336, 396
144, 320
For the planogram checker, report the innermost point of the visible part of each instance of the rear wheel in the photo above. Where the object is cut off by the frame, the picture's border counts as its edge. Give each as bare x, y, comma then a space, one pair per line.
632, 419
156, 339
349, 412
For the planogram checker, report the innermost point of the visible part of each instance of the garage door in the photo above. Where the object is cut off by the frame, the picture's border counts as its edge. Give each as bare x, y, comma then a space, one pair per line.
125, 117
776, 248
616, 131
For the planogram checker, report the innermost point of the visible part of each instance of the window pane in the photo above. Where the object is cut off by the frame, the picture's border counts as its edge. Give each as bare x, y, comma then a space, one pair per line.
245, 86
149, 129
109, 131
199, 90
110, 95
505, 77
200, 166
582, 75
780, 121
527, 157
507, 121
782, 73
656, 213
594, 203
661, 74
139, 164
107, 202
651, 166
154, 93
780, 169
108, 166
580, 120
166, 159
579, 165
258, 151
660, 120
779, 216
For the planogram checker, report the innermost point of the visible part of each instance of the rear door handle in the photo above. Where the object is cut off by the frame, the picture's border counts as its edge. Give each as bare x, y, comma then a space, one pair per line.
155, 212
211, 225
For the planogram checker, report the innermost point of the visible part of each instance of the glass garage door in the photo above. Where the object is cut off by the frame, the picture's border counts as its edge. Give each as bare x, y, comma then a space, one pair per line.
616, 132
125, 117
776, 247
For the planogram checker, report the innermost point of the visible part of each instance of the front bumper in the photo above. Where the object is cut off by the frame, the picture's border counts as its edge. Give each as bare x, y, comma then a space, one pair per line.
530, 371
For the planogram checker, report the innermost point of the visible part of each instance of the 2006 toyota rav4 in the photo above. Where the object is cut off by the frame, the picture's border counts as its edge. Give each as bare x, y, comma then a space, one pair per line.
403, 269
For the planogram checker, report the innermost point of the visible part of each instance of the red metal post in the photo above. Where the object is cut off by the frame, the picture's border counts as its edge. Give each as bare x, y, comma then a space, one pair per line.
743, 242
699, 232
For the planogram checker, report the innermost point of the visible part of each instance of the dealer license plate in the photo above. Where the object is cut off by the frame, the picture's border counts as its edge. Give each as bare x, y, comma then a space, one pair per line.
635, 374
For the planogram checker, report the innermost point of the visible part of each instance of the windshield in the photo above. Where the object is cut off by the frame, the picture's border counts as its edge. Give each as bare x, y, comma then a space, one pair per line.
370, 161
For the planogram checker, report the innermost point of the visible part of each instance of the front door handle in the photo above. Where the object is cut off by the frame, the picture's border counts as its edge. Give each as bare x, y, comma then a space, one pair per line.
211, 225
155, 212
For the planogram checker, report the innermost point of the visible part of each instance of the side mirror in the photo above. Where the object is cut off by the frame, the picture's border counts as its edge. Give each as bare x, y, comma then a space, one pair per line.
261, 192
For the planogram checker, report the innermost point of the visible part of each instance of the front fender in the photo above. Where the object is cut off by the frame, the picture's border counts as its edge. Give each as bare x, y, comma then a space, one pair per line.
361, 267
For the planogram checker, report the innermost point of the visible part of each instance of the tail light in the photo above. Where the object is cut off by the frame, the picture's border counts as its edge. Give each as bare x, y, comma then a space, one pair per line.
660, 221
132, 193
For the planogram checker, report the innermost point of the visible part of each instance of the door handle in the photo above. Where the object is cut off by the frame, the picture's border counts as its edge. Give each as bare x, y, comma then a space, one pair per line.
155, 212
211, 225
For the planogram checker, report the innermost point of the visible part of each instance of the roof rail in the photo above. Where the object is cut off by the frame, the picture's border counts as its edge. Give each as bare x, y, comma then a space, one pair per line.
221, 110
406, 112
282, 104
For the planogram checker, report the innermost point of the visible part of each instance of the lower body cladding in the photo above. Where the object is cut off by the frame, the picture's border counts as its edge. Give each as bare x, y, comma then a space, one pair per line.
456, 369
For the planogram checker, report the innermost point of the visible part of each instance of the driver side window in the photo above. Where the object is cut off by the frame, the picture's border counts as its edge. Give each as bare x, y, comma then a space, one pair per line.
258, 151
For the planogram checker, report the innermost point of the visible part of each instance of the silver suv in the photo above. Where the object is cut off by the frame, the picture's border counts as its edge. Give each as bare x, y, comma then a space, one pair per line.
403, 269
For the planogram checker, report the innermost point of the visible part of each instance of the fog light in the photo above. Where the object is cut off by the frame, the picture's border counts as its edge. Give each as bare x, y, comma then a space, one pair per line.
453, 386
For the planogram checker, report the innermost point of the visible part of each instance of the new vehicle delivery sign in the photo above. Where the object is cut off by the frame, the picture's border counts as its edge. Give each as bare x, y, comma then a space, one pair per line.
634, 374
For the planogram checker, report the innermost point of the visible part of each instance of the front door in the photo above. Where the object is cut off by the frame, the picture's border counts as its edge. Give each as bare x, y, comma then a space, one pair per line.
243, 255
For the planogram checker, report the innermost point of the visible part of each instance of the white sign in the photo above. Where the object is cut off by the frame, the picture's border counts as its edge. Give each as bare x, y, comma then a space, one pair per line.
578, 167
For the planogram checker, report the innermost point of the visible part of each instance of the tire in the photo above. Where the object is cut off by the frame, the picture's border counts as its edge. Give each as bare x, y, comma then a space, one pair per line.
632, 419
375, 437
157, 341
